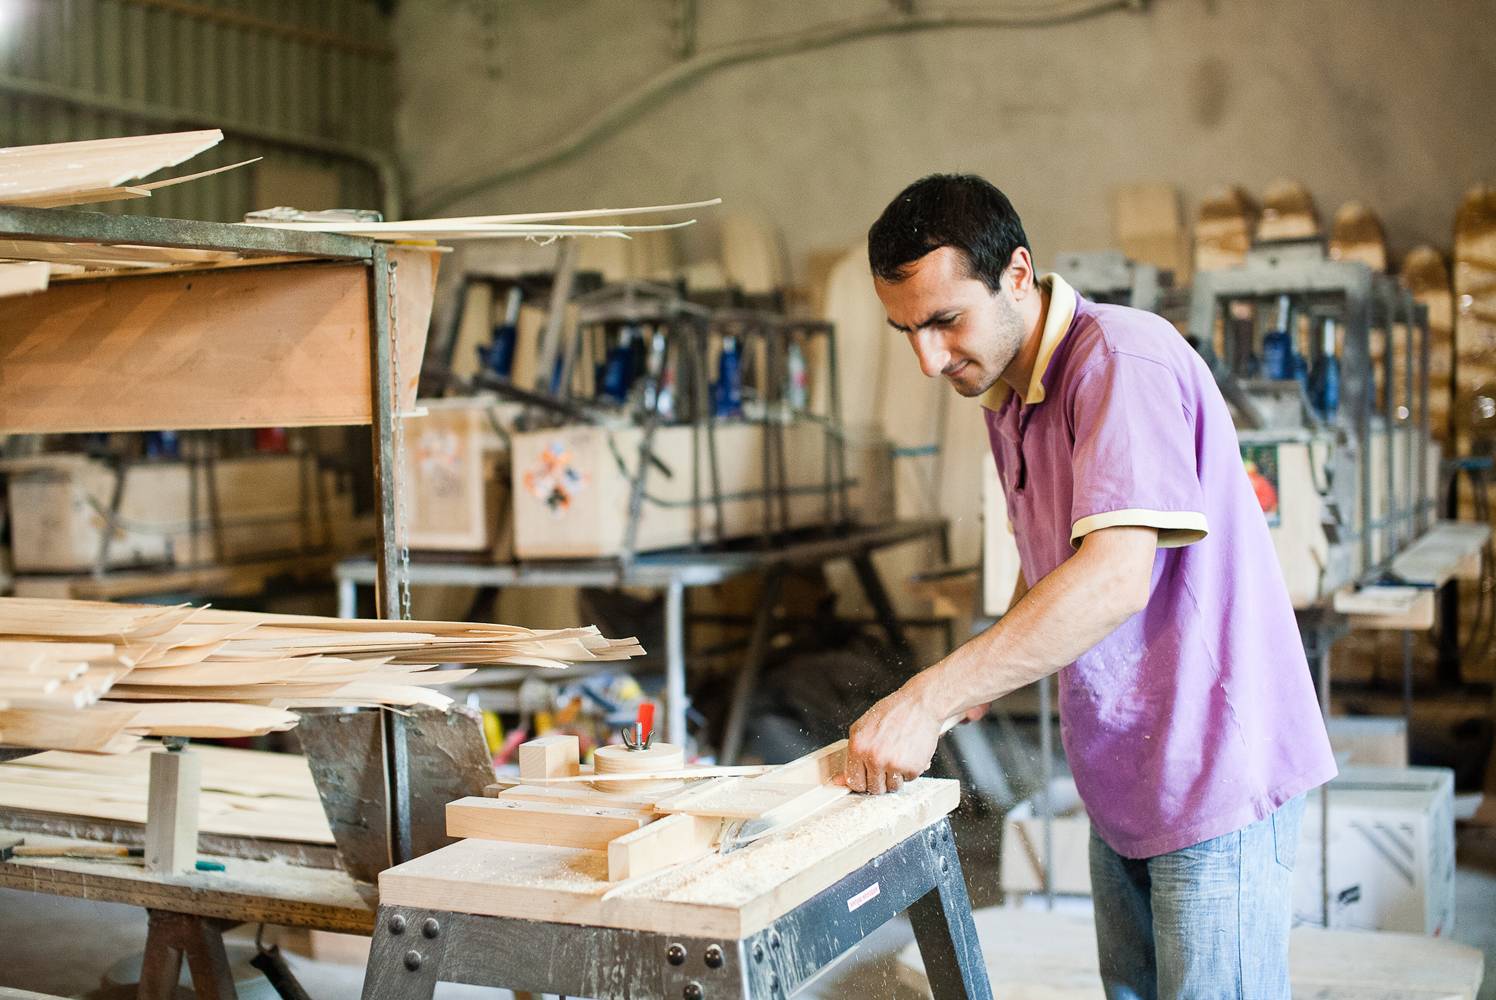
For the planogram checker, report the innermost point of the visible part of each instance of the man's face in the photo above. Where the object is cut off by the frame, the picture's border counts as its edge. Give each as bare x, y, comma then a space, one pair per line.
957, 326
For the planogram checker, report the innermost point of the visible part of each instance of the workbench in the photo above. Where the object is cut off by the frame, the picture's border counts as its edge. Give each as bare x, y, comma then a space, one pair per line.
758, 922
188, 912
673, 572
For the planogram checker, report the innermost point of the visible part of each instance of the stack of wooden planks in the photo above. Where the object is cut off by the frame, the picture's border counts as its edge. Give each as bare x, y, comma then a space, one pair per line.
58, 174
245, 793
62, 174
94, 676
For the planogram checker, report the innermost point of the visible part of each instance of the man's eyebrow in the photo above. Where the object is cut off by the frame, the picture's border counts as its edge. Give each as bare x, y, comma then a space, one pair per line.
932, 318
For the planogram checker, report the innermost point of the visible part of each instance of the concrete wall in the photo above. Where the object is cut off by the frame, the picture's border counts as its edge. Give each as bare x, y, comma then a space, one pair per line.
1387, 101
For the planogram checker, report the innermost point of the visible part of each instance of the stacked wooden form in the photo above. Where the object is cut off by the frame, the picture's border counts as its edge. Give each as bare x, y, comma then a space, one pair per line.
92, 676
646, 829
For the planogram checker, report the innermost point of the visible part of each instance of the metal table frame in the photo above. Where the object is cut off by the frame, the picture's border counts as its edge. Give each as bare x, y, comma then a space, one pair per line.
414, 949
673, 572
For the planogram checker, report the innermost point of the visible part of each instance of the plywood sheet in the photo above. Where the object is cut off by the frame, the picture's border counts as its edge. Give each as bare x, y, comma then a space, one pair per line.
243, 347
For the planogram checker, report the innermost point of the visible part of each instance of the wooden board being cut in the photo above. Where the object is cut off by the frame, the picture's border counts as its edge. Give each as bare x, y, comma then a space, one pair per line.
730, 895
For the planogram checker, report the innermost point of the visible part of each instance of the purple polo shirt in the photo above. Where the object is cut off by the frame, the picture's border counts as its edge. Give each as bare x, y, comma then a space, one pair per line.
1197, 716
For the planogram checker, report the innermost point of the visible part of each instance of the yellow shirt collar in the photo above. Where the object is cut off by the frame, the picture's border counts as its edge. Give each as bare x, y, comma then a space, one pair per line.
1056, 322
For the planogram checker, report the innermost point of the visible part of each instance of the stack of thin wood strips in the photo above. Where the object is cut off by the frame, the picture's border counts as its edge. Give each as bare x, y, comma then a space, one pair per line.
94, 676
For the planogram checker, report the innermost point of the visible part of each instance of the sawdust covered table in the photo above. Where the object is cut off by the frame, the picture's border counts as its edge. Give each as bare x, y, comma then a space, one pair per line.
760, 922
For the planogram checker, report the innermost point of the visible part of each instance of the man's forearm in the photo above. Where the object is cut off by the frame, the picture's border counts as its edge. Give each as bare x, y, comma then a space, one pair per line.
1062, 616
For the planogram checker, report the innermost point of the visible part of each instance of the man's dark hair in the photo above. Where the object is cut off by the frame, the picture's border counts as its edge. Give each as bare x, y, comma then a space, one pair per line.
947, 210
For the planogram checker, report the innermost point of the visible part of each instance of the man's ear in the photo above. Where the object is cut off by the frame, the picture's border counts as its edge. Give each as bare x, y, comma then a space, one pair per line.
1020, 272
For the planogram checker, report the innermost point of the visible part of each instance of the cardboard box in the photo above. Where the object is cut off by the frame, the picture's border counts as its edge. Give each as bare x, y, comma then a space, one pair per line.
1021, 862
1391, 852
59, 506
1369, 742
572, 486
457, 477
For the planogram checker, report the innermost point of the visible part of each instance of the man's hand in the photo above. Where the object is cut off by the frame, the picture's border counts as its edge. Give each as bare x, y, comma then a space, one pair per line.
892, 743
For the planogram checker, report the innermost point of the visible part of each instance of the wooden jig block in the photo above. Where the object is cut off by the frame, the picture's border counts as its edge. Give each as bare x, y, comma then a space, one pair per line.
556, 756
540, 823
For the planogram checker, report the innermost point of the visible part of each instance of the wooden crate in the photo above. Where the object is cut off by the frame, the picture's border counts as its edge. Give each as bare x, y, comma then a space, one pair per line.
59, 503
571, 487
456, 476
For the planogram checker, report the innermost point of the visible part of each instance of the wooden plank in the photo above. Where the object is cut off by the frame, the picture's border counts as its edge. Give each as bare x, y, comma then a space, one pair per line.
248, 347
814, 768
253, 891
1435, 557
24, 277
42, 174
665, 842
575, 794
171, 811
245, 793
1387, 607
1288, 212
1356, 235
566, 825
555, 756
686, 773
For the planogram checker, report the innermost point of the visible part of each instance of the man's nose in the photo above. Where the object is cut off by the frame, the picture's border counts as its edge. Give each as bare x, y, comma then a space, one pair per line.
930, 350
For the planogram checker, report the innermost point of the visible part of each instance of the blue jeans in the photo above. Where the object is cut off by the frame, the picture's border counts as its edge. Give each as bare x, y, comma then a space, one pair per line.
1208, 922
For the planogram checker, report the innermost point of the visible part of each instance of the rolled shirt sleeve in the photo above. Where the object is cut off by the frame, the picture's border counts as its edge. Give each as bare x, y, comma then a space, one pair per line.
1134, 457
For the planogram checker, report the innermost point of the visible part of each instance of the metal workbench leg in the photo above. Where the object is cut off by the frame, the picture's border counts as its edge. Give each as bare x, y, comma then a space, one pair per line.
675, 663
174, 936
946, 932
405, 957
758, 648
872, 586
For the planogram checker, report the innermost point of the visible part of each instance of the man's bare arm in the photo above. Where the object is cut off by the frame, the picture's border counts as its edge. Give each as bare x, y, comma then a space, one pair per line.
1066, 613
1072, 609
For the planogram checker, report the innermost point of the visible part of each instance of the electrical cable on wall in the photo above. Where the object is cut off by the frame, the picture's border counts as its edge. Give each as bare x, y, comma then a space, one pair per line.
647, 95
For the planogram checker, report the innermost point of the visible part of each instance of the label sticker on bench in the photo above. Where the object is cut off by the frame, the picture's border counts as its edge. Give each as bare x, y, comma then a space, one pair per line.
865, 896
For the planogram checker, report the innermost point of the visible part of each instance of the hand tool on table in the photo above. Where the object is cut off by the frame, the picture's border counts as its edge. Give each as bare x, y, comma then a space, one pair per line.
21, 849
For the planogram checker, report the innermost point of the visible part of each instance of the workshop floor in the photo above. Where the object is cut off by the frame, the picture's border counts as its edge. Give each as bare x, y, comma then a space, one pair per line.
64, 946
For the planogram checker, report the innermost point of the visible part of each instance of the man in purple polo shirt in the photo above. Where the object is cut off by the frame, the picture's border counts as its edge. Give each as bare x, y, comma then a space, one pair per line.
1186, 707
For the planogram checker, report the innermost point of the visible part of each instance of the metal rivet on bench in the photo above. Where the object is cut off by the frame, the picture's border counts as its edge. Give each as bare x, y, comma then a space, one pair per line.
412, 960
397, 924
714, 958
675, 954
430, 927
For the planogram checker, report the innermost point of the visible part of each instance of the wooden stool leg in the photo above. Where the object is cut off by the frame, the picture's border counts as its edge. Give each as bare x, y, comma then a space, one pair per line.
161, 966
174, 936
945, 930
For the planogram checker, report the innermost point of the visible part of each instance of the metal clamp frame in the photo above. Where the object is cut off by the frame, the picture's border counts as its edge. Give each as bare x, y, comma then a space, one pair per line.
414, 948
